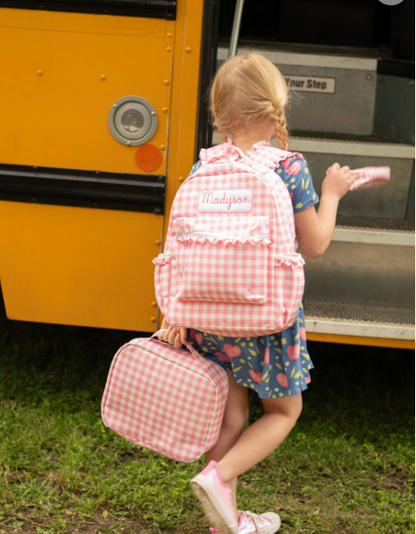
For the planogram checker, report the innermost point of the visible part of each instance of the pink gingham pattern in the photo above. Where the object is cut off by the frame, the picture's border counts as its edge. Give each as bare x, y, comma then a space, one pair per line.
228, 272
197, 254
165, 399
369, 177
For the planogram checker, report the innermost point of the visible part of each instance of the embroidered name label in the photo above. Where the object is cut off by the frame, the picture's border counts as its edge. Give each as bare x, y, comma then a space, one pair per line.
226, 201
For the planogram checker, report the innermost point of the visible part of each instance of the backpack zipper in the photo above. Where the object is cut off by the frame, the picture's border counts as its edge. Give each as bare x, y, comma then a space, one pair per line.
207, 233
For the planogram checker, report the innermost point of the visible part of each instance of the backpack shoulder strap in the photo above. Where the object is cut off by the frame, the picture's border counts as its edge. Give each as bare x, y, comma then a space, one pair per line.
270, 157
262, 157
223, 153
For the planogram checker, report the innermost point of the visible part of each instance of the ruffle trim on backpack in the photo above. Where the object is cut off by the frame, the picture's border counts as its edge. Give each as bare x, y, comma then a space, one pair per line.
223, 240
297, 261
260, 154
162, 259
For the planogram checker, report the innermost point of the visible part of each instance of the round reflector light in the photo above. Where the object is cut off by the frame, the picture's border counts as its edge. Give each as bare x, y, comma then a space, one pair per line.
132, 120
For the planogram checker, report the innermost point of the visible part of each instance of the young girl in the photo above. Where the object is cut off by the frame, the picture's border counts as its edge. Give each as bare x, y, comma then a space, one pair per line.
248, 100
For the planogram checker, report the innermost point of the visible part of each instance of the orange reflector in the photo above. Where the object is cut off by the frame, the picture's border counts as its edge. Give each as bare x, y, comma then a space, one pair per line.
148, 158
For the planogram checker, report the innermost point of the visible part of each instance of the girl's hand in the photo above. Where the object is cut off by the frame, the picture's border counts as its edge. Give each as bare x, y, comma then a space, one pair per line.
314, 230
337, 181
173, 335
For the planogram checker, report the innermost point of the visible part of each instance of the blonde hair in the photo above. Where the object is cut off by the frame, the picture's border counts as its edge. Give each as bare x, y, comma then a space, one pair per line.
248, 90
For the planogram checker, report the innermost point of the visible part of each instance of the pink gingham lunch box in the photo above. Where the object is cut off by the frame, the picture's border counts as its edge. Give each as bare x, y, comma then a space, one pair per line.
168, 400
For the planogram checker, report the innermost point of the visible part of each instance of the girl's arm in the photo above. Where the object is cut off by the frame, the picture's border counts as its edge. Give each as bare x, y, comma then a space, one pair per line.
314, 229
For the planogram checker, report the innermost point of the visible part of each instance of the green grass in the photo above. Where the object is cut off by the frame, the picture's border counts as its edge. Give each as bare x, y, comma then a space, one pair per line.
346, 468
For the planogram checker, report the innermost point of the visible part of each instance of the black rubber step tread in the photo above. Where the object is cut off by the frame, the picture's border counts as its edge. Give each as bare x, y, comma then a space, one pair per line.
351, 138
358, 313
375, 223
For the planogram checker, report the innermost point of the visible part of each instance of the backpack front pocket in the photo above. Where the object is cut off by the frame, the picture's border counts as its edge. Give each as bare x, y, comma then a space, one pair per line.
223, 259
289, 283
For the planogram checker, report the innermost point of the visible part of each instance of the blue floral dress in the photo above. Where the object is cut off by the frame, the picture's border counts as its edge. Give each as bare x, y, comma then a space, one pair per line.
276, 365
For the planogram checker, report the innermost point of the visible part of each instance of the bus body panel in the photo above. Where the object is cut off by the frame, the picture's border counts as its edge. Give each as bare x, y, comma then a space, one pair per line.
62, 72
79, 266
61, 75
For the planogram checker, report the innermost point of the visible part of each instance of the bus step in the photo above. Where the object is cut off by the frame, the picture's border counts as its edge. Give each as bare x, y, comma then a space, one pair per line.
342, 143
334, 88
362, 273
390, 201
400, 232
350, 319
326, 55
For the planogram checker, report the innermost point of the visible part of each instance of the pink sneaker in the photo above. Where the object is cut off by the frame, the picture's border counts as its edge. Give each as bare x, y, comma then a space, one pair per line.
215, 497
250, 523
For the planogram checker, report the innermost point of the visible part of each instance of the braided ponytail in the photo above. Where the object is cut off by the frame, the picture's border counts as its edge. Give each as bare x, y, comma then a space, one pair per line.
280, 128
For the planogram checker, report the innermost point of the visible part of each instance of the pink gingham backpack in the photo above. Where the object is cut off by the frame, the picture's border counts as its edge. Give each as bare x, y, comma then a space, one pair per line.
229, 265
165, 399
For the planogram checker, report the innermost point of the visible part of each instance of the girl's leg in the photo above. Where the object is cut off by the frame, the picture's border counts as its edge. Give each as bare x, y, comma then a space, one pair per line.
262, 437
235, 420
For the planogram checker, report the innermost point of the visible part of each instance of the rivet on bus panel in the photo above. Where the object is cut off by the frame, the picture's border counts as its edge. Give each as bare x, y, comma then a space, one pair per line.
152, 319
168, 49
181, 179
162, 147
188, 50
154, 304
157, 242
165, 110
40, 72
166, 82
103, 77
169, 35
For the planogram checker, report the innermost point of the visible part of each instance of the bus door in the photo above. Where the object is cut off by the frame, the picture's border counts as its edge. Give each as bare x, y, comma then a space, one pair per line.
349, 65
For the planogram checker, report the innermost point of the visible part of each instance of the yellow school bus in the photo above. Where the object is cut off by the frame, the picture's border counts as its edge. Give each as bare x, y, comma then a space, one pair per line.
104, 109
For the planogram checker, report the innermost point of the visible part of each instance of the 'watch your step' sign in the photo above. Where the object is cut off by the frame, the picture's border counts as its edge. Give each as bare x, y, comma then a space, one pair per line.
311, 84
